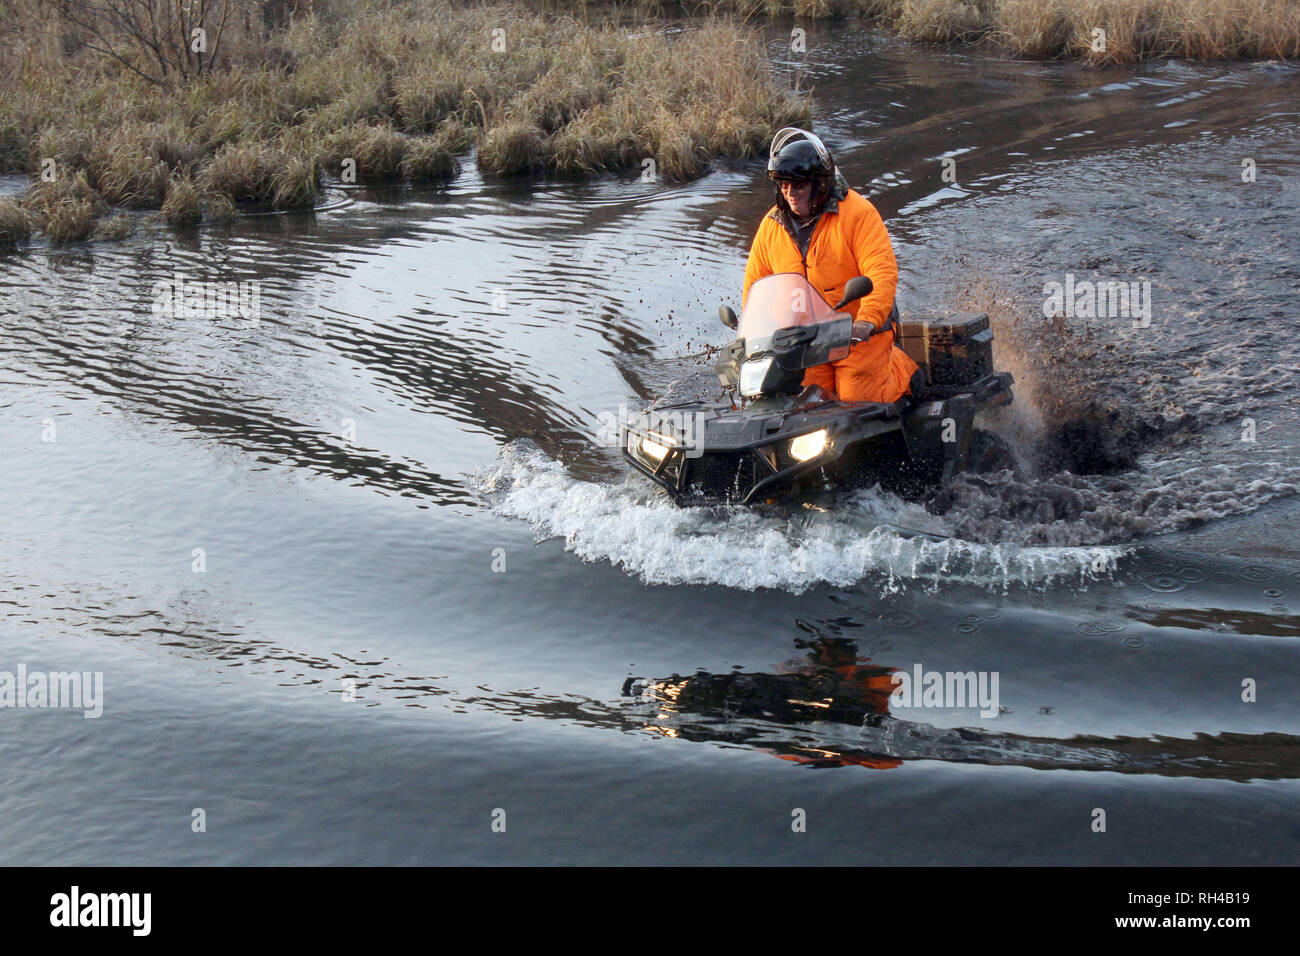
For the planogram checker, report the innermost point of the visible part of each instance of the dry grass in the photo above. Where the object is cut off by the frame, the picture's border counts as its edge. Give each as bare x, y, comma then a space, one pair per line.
188, 203
376, 151
114, 227
513, 147
182, 206
127, 168
1135, 29
259, 174
400, 87
428, 160
1142, 29
589, 118
15, 226
941, 21
66, 208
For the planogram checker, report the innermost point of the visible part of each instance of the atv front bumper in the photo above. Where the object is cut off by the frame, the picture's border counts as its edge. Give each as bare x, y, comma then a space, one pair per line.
747, 458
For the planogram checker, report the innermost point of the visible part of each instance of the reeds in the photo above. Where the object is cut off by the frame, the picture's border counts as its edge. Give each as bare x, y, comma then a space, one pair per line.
941, 21
15, 226
400, 87
64, 208
1134, 29
183, 205
1131, 30
717, 100
388, 89
261, 174
1125, 31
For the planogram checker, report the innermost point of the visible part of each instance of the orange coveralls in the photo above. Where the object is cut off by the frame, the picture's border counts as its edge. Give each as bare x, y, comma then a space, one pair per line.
849, 239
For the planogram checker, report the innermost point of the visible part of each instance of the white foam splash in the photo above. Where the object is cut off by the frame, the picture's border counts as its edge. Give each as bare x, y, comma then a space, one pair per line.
645, 533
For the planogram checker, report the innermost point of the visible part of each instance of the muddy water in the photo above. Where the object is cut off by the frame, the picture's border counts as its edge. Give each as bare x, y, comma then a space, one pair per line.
365, 570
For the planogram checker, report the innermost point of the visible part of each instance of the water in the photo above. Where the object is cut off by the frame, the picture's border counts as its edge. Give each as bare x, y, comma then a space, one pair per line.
401, 493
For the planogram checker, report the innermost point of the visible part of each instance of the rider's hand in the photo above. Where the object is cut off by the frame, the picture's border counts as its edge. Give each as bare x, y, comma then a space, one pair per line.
862, 330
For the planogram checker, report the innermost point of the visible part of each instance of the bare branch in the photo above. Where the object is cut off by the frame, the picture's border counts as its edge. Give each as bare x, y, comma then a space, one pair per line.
221, 28
105, 46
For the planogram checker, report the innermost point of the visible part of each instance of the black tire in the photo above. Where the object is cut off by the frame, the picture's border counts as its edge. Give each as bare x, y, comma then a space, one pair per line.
989, 453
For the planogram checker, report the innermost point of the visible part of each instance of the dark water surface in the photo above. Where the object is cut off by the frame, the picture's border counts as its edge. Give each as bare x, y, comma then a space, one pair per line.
400, 483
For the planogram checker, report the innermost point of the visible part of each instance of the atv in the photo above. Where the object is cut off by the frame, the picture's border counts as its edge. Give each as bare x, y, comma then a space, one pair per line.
769, 438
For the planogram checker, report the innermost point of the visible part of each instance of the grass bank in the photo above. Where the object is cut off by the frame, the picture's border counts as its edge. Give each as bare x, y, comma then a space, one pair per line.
102, 113
1134, 29
1112, 31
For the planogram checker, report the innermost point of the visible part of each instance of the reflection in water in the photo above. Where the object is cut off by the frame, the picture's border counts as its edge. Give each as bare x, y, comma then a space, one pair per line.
884, 741
827, 707
832, 710
832, 685
1219, 619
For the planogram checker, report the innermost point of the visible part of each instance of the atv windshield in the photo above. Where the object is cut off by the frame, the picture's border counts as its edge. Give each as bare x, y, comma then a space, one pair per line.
788, 300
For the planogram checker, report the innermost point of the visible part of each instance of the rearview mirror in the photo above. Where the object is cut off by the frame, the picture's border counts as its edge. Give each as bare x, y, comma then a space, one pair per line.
727, 316
854, 289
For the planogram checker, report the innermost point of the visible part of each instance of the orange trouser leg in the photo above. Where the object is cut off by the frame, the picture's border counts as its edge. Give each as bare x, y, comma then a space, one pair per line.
884, 376
823, 375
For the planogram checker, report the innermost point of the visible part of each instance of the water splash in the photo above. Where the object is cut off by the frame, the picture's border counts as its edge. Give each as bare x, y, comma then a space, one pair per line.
863, 539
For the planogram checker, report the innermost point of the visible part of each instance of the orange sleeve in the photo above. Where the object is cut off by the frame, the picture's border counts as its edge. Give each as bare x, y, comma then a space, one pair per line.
875, 255
758, 265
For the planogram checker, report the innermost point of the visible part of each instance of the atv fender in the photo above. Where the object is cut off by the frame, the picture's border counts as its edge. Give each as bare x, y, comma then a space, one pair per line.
941, 430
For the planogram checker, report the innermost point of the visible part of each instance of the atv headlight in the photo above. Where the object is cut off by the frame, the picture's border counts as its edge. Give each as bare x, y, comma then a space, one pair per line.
752, 374
808, 446
652, 449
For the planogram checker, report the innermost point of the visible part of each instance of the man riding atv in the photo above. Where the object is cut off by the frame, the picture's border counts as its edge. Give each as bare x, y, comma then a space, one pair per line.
817, 396
827, 232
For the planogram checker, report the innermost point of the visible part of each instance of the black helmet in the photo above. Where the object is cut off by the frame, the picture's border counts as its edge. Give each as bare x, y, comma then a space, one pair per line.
799, 156
797, 161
